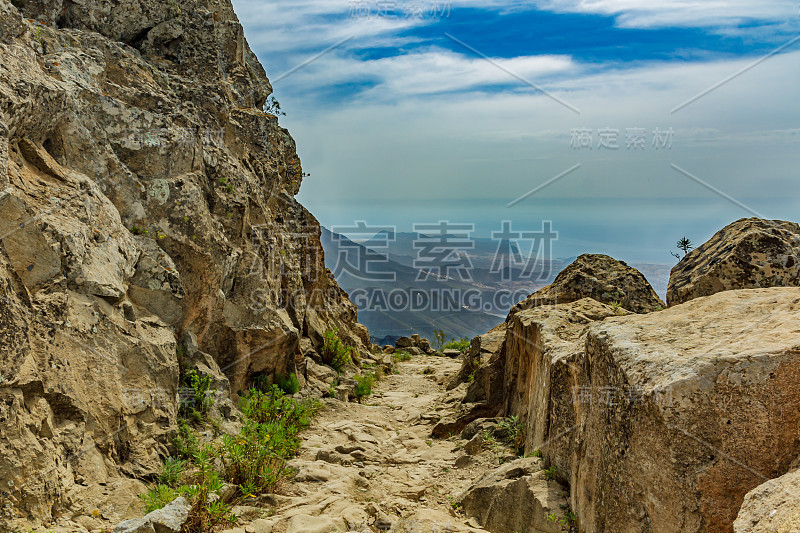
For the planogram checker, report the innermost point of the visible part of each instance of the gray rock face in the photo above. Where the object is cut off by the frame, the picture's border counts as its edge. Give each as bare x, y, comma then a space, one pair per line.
168, 519
747, 254
599, 277
144, 194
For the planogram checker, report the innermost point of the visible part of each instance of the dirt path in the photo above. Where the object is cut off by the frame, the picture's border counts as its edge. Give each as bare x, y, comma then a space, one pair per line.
374, 467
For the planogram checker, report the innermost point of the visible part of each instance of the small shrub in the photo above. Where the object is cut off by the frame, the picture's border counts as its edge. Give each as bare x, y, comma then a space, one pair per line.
157, 497
551, 473
460, 345
537, 453
171, 471
567, 521
334, 352
255, 459
515, 432
364, 385
400, 357
196, 396
208, 510
290, 385
186, 443
439, 339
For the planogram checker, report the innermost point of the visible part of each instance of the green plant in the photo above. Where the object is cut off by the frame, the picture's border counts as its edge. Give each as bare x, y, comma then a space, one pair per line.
171, 471
208, 510
514, 431
567, 521
364, 385
332, 388
255, 459
401, 356
196, 396
334, 352
289, 385
158, 496
537, 453
683, 244
460, 345
551, 473
186, 442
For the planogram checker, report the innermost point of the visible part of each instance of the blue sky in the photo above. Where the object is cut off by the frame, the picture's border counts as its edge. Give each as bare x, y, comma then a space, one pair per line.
428, 110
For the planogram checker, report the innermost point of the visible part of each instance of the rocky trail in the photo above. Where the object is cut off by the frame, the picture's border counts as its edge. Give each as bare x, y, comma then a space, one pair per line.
374, 466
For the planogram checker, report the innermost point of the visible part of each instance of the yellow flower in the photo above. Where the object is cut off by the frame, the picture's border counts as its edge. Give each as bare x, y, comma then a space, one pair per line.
95, 513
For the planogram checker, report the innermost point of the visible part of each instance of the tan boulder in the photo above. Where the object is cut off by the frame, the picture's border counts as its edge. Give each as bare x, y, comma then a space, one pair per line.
679, 414
600, 277
515, 497
747, 254
772, 507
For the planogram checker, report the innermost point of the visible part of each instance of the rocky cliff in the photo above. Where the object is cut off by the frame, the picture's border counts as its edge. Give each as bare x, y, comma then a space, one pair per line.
147, 211
665, 421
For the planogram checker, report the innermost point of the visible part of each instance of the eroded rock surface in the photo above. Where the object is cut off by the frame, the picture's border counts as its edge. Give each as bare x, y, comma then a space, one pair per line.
600, 277
772, 507
144, 195
747, 254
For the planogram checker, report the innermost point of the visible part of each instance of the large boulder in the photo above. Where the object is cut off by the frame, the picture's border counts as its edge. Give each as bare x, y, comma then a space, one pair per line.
542, 348
678, 414
747, 254
772, 507
515, 497
600, 277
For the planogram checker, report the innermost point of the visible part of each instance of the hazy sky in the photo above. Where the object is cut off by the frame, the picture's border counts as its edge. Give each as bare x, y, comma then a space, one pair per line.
431, 110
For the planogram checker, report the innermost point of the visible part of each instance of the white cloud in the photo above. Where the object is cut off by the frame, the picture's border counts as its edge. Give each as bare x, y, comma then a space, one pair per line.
687, 13
426, 72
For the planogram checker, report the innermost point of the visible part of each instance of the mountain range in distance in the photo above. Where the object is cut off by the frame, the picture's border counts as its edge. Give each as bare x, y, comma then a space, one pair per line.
399, 284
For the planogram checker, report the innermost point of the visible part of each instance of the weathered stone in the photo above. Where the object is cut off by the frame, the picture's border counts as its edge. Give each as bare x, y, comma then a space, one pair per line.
479, 426
678, 404
542, 345
481, 350
475, 445
425, 345
772, 507
515, 497
404, 342
451, 353
747, 254
414, 351
599, 277
144, 193
169, 519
